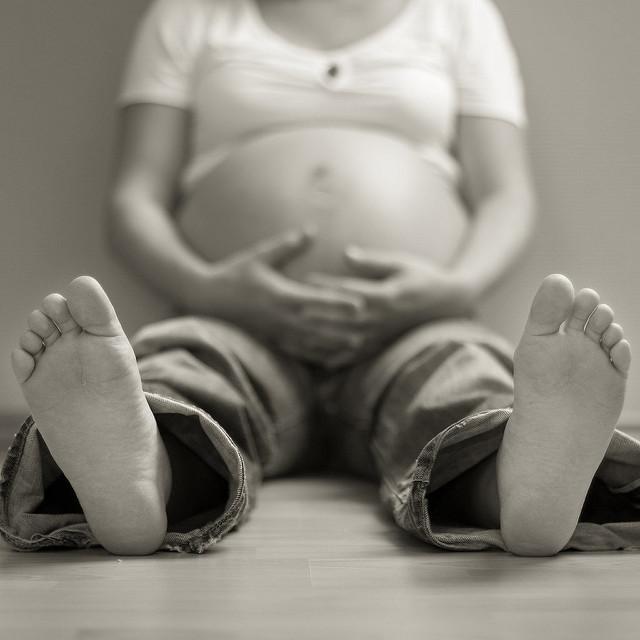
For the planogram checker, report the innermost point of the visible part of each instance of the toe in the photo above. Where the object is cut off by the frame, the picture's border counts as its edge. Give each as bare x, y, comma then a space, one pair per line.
612, 335
23, 365
55, 306
551, 305
31, 342
584, 305
621, 356
43, 326
599, 320
91, 307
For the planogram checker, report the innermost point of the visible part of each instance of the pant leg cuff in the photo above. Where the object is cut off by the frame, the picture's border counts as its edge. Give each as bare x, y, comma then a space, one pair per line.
610, 519
29, 470
452, 452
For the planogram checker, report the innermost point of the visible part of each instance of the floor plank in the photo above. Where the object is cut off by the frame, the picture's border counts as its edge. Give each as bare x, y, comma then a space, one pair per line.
318, 559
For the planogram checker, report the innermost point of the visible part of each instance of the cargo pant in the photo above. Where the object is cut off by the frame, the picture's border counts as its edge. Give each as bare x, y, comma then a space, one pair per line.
423, 411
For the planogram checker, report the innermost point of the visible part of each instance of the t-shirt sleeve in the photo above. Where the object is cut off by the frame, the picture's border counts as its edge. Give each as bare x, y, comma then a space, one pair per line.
487, 74
162, 59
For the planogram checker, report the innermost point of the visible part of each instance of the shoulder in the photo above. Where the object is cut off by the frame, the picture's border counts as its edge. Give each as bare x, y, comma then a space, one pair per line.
187, 12
454, 17
459, 14
475, 13
471, 22
185, 23
470, 7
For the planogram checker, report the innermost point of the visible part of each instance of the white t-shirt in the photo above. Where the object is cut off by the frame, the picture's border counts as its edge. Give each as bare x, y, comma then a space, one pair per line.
436, 60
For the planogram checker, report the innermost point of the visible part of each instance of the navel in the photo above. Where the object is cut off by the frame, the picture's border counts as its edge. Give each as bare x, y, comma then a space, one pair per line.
322, 189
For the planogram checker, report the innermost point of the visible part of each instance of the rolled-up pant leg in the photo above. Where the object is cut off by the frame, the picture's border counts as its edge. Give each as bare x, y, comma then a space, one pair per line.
435, 404
220, 398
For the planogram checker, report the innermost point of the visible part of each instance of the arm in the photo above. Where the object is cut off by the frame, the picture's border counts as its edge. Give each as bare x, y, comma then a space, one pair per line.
497, 187
150, 153
402, 291
245, 288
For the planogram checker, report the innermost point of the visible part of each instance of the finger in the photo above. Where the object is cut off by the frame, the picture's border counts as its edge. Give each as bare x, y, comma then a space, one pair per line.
331, 340
333, 282
281, 249
328, 316
303, 352
342, 359
319, 345
298, 295
370, 290
327, 338
373, 263
338, 363
351, 356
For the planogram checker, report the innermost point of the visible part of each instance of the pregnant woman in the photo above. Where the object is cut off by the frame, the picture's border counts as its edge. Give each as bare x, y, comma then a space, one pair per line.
323, 189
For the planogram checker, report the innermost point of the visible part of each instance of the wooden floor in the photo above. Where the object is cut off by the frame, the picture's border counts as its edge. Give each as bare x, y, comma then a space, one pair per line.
319, 559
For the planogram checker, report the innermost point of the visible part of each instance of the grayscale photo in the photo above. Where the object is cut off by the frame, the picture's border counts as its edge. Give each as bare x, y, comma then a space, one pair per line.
318, 319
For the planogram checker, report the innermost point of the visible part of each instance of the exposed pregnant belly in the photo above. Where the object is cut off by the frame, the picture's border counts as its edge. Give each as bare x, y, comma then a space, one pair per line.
356, 186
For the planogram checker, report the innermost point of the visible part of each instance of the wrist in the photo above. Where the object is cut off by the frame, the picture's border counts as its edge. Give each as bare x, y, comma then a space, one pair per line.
468, 285
201, 293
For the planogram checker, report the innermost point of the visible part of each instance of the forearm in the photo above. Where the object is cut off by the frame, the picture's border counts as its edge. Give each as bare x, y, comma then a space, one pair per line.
500, 228
144, 235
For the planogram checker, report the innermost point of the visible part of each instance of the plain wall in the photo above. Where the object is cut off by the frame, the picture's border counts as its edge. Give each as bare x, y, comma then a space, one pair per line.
59, 71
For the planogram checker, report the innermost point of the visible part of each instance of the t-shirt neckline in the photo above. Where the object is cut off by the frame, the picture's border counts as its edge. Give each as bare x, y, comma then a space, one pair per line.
375, 36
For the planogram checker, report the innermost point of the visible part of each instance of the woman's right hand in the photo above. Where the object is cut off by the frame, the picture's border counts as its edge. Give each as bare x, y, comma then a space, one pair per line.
249, 290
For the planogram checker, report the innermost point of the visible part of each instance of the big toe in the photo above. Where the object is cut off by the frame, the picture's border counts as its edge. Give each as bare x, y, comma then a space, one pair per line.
551, 305
91, 308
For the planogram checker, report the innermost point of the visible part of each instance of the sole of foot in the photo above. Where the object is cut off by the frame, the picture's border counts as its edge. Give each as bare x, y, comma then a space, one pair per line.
570, 377
78, 374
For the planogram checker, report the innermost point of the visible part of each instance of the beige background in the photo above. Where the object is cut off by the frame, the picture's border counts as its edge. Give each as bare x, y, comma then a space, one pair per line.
60, 68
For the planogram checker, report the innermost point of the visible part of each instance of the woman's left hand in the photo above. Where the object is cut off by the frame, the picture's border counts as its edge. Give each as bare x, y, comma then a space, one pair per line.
400, 291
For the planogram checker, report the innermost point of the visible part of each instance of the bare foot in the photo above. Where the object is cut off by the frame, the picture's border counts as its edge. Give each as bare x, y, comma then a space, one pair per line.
84, 392
570, 375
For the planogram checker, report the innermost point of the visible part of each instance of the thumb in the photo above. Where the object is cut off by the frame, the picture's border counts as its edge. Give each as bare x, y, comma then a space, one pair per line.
280, 249
371, 263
